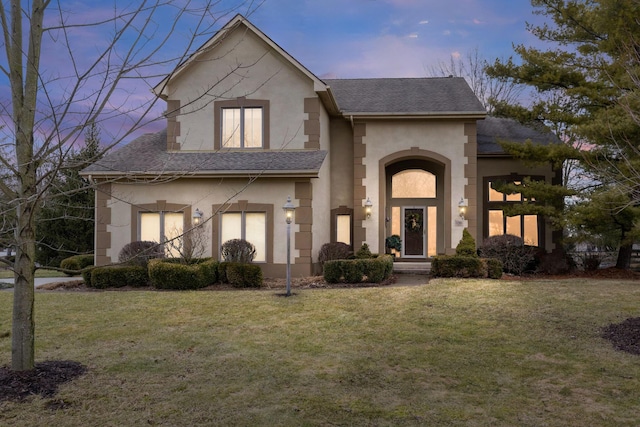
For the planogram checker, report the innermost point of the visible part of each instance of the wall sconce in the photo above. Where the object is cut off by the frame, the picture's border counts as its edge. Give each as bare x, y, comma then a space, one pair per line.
367, 208
197, 217
462, 208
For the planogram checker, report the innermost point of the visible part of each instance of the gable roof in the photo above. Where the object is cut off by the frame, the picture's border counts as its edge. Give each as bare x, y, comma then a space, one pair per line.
147, 156
434, 96
494, 129
161, 88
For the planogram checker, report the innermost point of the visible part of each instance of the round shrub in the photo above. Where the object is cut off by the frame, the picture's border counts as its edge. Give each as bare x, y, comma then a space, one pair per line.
238, 250
333, 251
76, 263
516, 257
140, 252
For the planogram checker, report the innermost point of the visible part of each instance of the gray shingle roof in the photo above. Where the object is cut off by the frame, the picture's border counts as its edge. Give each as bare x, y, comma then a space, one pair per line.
405, 95
148, 155
493, 129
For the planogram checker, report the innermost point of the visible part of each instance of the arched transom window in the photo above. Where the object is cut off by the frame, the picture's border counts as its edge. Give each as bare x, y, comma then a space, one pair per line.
413, 183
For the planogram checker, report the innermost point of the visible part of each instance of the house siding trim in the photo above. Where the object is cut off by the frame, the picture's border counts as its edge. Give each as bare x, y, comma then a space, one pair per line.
312, 123
103, 219
173, 125
471, 175
359, 189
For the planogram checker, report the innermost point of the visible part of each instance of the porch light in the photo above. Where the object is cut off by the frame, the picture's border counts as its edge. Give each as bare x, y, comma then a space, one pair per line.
289, 210
197, 217
367, 208
462, 208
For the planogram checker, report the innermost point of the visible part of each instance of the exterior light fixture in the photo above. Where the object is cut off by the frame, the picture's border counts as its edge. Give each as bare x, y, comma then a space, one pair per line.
367, 208
289, 210
462, 208
197, 217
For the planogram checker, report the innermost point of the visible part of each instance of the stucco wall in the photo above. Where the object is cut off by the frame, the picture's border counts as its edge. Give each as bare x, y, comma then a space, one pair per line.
383, 138
242, 66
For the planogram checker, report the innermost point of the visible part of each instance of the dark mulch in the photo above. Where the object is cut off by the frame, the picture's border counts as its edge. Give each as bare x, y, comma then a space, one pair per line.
624, 336
43, 380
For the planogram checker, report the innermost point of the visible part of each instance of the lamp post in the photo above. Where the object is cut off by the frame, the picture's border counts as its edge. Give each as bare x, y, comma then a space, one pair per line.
288, 209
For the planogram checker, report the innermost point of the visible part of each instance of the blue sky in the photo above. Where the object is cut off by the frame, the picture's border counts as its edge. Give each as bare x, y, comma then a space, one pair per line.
332, 38
392, 38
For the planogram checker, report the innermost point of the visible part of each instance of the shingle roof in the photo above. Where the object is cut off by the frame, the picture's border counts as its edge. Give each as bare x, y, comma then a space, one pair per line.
494, 129
148, 155
405, 95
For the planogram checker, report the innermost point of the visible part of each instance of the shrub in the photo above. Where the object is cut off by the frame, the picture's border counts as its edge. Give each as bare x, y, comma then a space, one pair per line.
333, 251
238, 250
241, 275
86, 275
76, 263
209, 269
493, 267
364, 252
168, 275
355, 270
467, 245
117, 277
458, 266
556, 262
516, 257
140, 252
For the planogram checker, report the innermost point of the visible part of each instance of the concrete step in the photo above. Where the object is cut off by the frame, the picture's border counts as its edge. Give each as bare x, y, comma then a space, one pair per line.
412, 267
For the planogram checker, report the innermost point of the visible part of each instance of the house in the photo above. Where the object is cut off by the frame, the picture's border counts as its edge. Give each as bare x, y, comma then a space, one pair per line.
361, 159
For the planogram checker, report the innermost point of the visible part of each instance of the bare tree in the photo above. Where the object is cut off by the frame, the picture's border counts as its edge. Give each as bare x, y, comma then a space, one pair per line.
99, 83
471, 67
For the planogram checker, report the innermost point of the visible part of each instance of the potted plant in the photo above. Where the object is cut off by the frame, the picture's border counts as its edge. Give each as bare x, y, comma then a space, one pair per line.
393, 242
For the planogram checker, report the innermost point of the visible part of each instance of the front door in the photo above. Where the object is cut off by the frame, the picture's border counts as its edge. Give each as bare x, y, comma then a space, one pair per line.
414, 232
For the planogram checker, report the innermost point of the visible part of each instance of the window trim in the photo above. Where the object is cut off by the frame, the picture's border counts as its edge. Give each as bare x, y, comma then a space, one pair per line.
241, 103
342, 210
243, 228
243, 206
499, 205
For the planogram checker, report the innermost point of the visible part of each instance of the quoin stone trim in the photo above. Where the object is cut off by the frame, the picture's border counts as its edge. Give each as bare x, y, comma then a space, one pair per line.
312, 123
359, 189
103, 218
303, 240
173, 125
471, 175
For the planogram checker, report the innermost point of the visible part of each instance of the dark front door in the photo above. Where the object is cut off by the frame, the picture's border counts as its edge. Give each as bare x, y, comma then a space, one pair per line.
413, 241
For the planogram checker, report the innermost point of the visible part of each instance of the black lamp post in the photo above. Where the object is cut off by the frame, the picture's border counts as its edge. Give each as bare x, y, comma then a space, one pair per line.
289, 210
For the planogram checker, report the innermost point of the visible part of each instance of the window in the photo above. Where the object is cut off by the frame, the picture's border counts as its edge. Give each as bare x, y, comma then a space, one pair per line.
528, 227
250, 226
242, 127
413, 183
343, 228
241, 123
162, 227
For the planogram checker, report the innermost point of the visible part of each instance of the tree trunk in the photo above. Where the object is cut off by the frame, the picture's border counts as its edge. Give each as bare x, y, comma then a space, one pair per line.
23, 327
624, 256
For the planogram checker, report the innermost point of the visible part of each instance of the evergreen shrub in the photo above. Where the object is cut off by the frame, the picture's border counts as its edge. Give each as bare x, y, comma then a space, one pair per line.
333, 251
241, 275
118, 276
76, 263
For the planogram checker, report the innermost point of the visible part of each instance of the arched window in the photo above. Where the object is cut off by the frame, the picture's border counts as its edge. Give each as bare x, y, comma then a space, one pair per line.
413, 183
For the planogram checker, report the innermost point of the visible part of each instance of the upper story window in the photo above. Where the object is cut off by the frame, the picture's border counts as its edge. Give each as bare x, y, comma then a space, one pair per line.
242, 127
241, 123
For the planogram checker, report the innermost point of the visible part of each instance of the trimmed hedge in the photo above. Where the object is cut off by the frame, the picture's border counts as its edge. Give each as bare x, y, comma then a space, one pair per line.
170, 274
117, 277
466, 266
243, 275
373, 270
76, 263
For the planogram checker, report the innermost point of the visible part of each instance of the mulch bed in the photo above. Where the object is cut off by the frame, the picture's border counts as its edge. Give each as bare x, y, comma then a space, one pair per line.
44, 380
624, 336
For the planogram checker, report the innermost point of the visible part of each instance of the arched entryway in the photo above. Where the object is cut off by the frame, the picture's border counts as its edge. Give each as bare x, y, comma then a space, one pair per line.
417, 204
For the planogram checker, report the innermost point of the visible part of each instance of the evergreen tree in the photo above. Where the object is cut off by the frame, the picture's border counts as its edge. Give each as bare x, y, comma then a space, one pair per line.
587, 94
65, 224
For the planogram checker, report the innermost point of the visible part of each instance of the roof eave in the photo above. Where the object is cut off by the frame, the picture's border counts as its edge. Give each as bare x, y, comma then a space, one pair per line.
202, 174
416, 115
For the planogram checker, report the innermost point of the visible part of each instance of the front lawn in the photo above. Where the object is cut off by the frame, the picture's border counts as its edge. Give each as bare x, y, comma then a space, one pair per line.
452, 352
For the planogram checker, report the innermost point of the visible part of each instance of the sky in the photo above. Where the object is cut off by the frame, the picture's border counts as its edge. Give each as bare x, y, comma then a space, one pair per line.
331, 38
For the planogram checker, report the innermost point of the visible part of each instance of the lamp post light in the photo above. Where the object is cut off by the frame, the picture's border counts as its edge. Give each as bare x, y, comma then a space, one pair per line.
288, 209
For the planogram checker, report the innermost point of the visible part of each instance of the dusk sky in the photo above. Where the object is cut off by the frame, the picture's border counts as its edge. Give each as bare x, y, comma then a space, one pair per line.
332, 38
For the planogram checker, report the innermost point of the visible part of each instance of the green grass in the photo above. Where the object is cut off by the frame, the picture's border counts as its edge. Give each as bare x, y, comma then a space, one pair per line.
6, 274
453, 352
